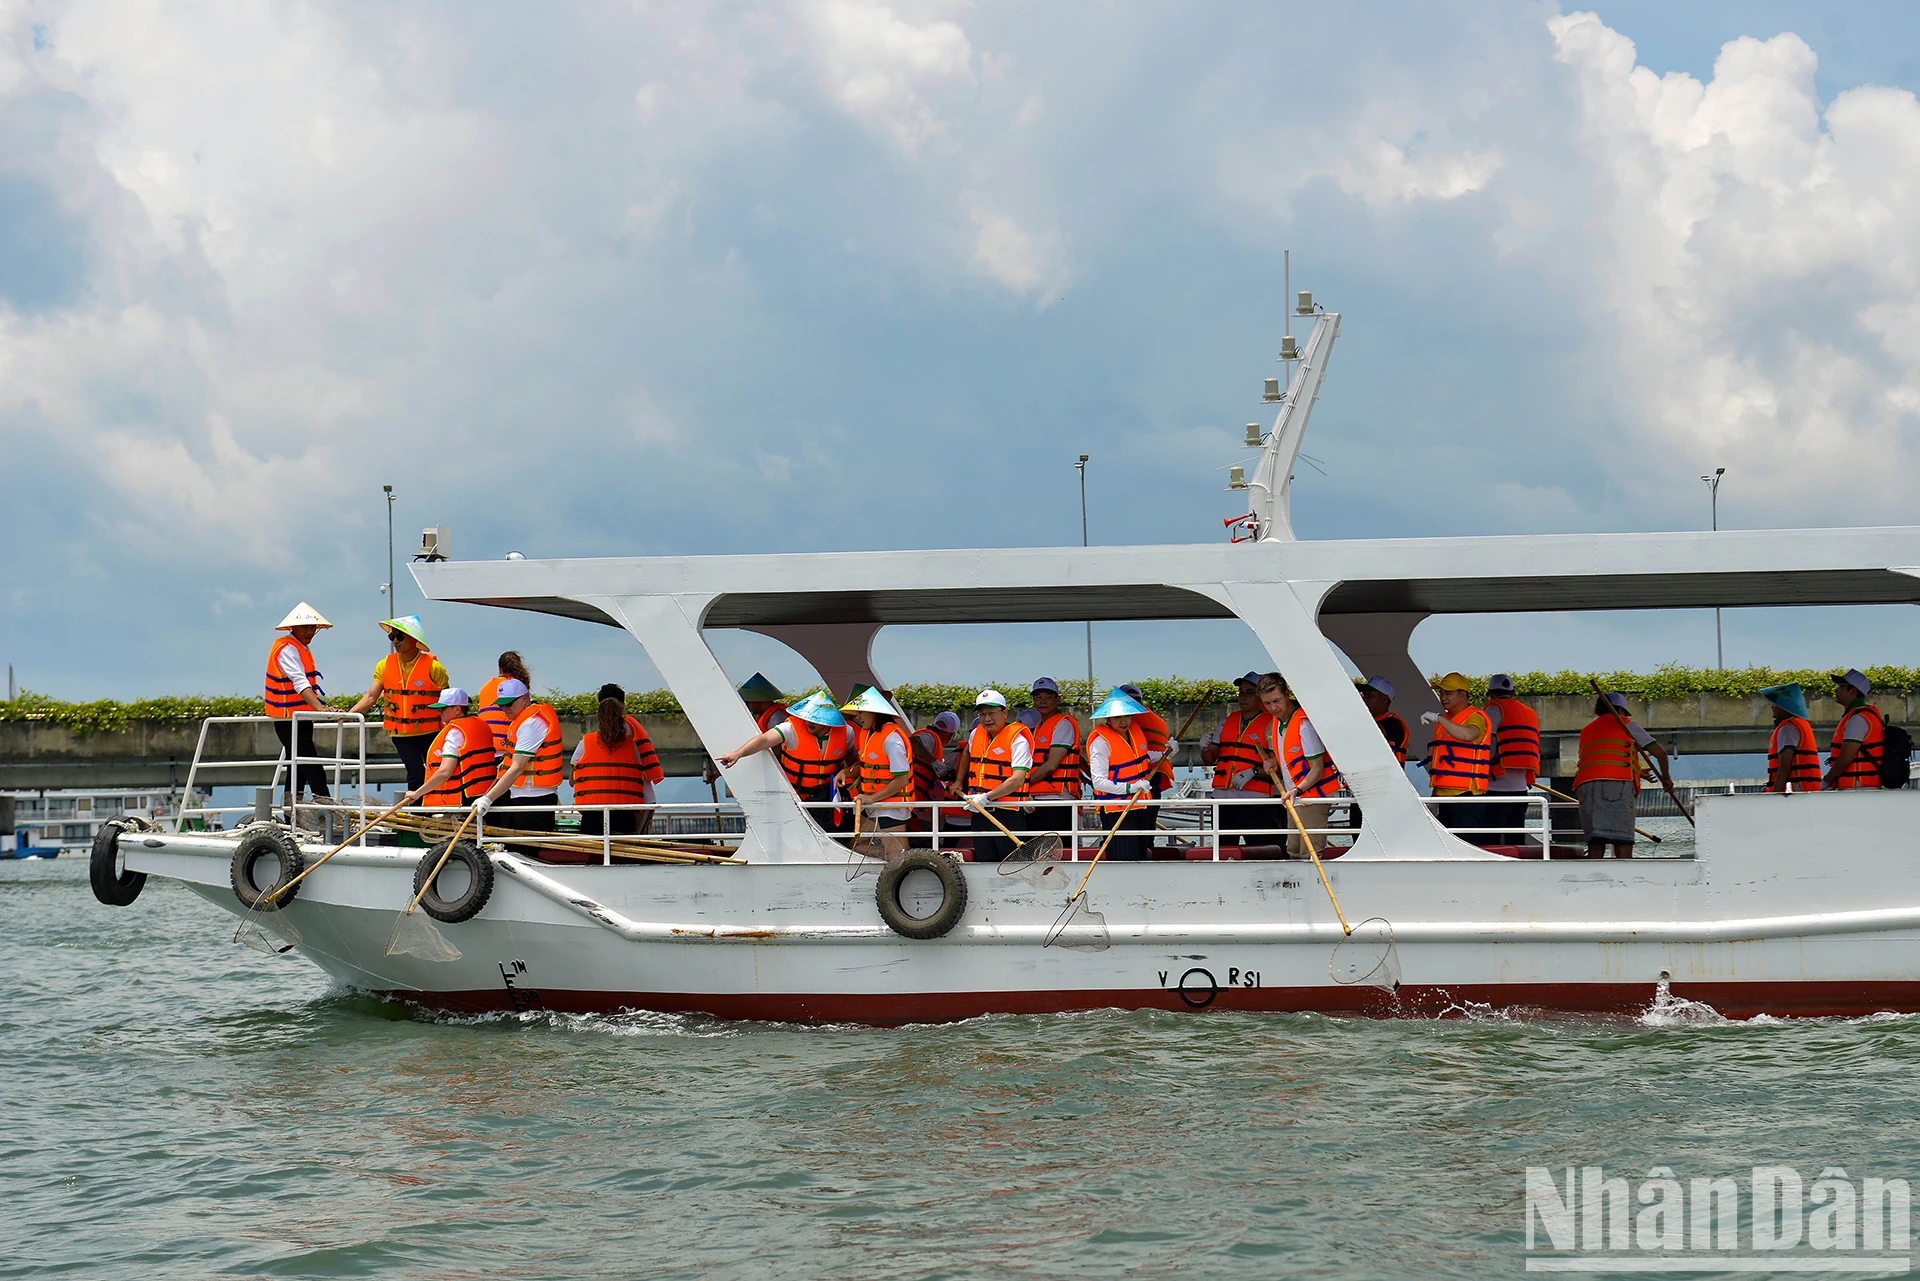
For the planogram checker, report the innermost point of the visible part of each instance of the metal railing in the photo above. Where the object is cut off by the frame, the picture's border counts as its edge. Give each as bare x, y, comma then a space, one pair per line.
339, 767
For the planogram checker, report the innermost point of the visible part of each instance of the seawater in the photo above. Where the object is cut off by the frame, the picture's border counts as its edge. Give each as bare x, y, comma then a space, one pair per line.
177, 1106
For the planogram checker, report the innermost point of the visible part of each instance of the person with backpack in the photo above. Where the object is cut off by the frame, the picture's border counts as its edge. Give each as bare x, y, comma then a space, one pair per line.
1859, 740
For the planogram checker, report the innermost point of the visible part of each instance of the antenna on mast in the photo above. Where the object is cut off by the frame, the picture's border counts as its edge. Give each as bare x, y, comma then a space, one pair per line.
1268, 497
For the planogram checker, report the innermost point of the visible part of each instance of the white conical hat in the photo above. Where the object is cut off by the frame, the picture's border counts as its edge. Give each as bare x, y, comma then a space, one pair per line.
303, 615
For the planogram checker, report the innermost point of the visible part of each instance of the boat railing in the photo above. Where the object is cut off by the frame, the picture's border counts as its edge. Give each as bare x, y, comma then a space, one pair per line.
348, 771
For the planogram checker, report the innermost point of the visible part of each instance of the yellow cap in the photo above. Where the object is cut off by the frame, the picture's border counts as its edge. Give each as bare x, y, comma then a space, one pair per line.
1451, 681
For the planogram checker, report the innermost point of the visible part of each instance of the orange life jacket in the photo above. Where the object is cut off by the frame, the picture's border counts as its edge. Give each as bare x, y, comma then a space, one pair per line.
614, 775
876, 771
990, 759
283, 700
643, 744
1864, 771
1607, 751
497, 717
543, 775
1806, 757
1239, 751
1126, 758
1299, 764
1456, 765
474, 769
409, 695
1516, 744
810, 764
1065, 780
771, 717
1154, 727
927, 752
1394, 730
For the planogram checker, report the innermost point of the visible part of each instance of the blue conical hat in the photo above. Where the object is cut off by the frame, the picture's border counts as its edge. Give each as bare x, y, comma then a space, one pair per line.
1119, 703
818, 709
758, 689
1789, 698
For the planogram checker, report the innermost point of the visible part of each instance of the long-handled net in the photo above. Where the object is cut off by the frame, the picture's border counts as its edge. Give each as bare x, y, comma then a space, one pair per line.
270, 931
1039, 861
414, 933
1080, 926
1370, 959
865, 851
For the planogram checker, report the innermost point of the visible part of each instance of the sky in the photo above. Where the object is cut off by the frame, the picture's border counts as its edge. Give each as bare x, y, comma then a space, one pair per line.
607, 280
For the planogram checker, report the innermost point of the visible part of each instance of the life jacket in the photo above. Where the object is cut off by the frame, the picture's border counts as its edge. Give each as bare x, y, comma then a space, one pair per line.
543, 775
495, 716
1394, 730
990, 760
1516, 744
474, 769
771, 717
811, 764
614, 775
1299, 764
1239, 751
1607, 751
1864, 771
1065, 780
1806, 757
927, 753
876, 771
282, 699
409, 695
1154, 727
1126, 759
643, 744
1456, 765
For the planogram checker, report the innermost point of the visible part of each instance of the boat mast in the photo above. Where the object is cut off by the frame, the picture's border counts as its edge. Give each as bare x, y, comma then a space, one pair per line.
1268, 491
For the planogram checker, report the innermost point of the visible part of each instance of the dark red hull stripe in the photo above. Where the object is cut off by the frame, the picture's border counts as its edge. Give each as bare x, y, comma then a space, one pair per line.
1734, 1000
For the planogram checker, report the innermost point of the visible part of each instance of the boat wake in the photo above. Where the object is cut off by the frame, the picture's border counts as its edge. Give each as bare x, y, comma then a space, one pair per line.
1668, 1010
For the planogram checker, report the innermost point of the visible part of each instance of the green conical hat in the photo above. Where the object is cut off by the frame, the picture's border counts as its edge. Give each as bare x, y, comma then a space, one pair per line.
868, 699
410, 625
758, 689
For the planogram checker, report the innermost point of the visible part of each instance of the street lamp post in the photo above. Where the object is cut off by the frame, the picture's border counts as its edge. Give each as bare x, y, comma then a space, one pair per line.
392, 610
1081, 467
1713, 498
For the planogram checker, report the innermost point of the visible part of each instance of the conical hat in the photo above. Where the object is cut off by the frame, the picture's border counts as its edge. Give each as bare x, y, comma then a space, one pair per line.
409, 626
818, 709
1789, 698
870, 699
1118, 703
758, 689
303, 615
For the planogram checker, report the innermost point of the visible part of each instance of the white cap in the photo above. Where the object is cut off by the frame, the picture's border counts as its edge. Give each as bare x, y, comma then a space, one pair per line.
947, 723
303, 615
1381, 685
990, 698
510, 689
1500, 683
1046, 682
453, 697
1858, 679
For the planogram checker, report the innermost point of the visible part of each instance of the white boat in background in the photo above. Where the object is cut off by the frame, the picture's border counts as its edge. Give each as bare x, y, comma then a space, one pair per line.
1799, 905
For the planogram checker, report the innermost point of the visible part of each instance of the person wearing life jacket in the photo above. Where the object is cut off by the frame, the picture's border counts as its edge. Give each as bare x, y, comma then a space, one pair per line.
931, 773
1853, 757
1293, 752
407, 681
615, 764
1377, 693
465, 763
1120, 769
1233, 749
1058, 762
811, 744
1161, 745
527, 790
881, 770
1460, 757
1608, 781
1793, 753
1516, 759
998, 757
293, 685
511, 668
764, 701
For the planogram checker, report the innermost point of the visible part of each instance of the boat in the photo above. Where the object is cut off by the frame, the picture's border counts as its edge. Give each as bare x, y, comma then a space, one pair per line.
1788, 905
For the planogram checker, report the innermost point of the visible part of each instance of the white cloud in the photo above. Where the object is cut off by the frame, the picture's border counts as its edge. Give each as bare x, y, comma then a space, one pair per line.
881, 68
1017, 260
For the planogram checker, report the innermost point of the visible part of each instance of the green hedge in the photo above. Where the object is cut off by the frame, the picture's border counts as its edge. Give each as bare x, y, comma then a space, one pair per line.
1667, 682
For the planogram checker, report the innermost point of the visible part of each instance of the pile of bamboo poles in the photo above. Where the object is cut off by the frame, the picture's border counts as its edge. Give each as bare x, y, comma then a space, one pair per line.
628, 848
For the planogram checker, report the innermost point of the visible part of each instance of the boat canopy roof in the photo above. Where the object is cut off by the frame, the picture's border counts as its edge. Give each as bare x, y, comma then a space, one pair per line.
1506, 574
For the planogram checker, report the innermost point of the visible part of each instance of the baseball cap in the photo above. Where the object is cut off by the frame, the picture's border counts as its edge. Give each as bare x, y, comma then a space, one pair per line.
1453, 680
947, 723
1618, 699
1133, 692
990, 698
509, 690
1500, 683
1856, 678
1046, 682
1251, 678
1381, 684
455, 697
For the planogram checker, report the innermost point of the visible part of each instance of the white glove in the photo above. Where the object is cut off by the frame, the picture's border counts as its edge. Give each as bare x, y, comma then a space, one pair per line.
1173, 745
1140, 787
481, 806
1428, 718
978, 800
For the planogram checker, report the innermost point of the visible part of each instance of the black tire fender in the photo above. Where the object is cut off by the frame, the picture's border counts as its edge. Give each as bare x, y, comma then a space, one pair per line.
893, 880
112, 883
465, 905
257, 843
